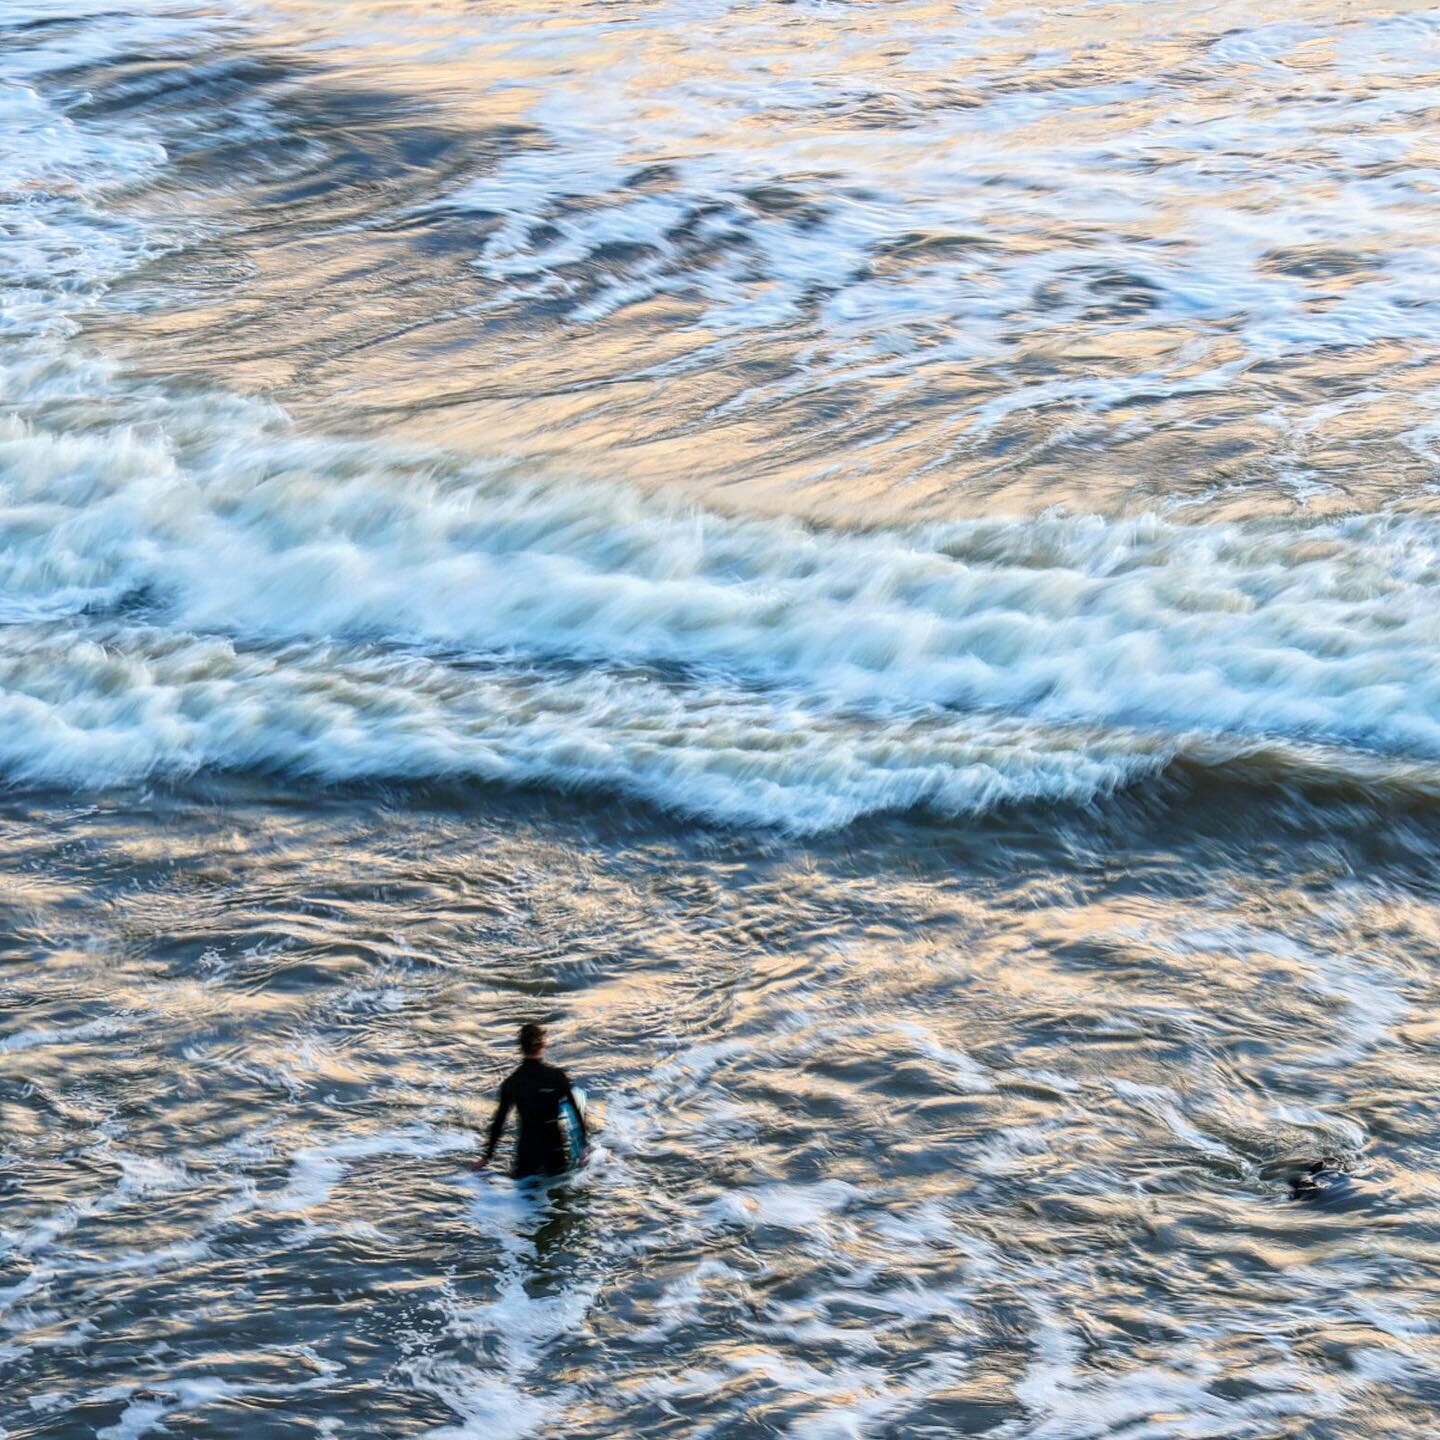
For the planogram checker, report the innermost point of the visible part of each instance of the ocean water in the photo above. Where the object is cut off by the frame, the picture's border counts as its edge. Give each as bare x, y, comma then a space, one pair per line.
875, 565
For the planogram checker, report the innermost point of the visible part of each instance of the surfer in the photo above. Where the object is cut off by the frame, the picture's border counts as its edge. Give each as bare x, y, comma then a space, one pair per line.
535, 1091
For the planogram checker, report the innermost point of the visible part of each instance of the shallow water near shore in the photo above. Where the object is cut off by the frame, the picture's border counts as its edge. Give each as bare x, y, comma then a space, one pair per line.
919, 1131
875, 566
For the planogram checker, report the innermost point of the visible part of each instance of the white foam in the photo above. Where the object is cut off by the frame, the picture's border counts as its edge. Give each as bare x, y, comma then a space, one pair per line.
965, 1072
139, 1175
1014, 1150
1375, 1004
490, 1409
1317, 629
62, 1035
176, 1396
1068, 1400
315, 1170
681, 1302
138, 1418
64, 239
319, 608
524, 1325
811, 1209
519, 1328
1164, 1104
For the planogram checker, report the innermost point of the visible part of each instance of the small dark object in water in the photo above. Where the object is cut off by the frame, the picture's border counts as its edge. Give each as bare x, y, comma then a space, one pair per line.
1324, 1180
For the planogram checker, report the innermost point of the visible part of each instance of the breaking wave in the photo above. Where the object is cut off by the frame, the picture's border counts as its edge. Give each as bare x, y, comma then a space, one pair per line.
221, 592
188, 583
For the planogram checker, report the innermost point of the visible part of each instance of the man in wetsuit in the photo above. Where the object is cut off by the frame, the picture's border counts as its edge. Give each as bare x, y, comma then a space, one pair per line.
535, 1091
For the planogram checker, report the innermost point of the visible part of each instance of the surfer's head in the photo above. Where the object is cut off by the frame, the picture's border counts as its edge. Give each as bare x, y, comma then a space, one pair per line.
531, 1040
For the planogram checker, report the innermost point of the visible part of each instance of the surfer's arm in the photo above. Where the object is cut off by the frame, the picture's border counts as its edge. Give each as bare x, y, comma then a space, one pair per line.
497, 1123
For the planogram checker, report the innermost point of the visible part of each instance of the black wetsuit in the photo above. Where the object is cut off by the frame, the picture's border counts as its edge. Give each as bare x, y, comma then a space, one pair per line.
535, 1091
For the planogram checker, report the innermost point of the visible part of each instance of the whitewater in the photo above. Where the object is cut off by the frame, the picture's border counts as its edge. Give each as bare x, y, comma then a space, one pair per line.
191, 583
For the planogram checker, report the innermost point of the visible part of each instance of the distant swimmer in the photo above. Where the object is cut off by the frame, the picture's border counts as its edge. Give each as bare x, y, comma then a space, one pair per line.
546, 1106
1325, 1180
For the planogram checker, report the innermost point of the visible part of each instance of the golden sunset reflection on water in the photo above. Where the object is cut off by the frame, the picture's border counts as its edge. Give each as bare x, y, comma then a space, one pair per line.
872, 566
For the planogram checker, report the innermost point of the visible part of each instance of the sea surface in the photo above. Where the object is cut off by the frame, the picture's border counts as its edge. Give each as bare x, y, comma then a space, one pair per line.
876, 565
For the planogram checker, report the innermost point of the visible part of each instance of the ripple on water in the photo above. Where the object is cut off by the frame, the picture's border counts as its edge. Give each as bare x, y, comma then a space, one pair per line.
855, 1174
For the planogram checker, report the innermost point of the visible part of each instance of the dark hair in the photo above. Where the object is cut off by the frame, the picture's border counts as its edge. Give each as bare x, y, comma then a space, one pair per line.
531, 1038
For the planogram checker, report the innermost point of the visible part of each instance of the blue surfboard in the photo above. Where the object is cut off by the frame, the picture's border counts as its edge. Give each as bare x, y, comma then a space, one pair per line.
570, 1119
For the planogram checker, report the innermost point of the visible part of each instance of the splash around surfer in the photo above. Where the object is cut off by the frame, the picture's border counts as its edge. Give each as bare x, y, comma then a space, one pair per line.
549, 1113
